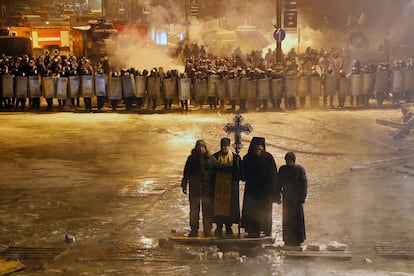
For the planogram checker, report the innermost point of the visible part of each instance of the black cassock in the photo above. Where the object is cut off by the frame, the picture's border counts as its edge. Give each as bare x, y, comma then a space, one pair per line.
260, 174
293, 184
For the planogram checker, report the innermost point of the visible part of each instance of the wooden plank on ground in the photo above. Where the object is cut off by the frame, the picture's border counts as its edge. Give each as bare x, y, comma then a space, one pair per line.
389, 123
233, 240
32, 252
383, 162
344, 255
395, 251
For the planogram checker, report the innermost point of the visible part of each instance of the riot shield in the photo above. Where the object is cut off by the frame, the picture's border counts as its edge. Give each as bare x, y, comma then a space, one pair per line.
74, 83
243, 88
62, 88
7, 86
114, 88
200, 90
154, 87
263, 89
291, 86
48, 87
184, 89
356, 84
212, 86
141, 86
343, 87
366, 83
397, 81
276, 86
128, 86
221, 89
170, 88
100, 85
87, 86
408, 76
382, 83
330, 85
303, 86
34, 87
233, 88
251, 90
314, 86
21, 87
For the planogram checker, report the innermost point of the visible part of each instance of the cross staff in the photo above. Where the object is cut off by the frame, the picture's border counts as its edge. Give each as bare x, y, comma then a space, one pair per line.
238, 129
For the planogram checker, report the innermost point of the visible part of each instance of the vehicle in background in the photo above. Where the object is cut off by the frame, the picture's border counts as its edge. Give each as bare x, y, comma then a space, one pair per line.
14, 45
45, 37
94, 40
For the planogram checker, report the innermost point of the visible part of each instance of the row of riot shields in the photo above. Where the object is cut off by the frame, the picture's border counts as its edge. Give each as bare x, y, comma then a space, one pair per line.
87, 86
402, 81
381, 82
256, 89
302, 86
117, 88
169, 88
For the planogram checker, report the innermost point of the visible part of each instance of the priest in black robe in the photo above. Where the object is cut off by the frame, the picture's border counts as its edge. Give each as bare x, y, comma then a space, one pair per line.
292, 191
259, 171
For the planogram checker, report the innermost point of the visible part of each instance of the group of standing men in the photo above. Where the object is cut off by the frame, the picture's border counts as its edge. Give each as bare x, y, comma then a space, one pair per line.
213, 181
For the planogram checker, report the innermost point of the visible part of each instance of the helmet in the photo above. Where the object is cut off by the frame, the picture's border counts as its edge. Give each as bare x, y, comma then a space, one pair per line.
355, 70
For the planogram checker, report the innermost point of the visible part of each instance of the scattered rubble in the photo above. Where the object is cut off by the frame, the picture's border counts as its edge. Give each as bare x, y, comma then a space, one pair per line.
404, 124
316, 246
336, 246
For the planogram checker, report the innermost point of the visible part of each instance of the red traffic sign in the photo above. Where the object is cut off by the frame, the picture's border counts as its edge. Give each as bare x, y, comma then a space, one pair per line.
279, 34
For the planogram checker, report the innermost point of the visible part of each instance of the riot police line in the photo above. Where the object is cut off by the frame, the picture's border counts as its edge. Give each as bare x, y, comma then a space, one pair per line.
130, 89
248, 90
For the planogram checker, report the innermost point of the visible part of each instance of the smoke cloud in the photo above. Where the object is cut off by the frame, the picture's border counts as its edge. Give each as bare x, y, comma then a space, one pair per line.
140, 53
322, 24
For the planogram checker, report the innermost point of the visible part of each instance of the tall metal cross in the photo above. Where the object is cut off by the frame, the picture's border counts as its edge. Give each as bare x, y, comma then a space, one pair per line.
238, 129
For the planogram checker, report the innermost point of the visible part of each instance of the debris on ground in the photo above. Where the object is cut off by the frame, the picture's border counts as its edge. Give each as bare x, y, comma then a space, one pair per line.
10, 266
404, 124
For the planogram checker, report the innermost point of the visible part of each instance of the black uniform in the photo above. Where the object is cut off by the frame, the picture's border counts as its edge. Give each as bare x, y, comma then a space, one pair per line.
197, 174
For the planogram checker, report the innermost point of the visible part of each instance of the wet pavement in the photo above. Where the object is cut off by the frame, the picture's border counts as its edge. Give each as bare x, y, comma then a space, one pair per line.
111, 180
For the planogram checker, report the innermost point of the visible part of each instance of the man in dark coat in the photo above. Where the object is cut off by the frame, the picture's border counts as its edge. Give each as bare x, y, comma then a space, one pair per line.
225, 188
196, 174
260, 173
292, 187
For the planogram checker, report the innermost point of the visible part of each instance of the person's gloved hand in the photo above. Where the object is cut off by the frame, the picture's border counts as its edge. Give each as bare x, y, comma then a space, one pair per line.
278, 200
184, 186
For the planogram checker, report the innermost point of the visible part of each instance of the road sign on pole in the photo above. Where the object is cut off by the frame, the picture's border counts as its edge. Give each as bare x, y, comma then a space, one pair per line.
290, 19
279, 34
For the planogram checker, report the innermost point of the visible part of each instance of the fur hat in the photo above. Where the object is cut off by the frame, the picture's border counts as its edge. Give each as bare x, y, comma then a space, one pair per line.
201, 143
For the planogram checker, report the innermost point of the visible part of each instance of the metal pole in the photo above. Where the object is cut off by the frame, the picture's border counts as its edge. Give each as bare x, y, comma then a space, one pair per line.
187, 19
103, 8
279, 25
